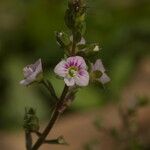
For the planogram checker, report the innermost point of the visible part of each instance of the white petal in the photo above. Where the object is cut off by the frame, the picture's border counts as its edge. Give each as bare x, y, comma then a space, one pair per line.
69, 81
29, 80
38, 65
60, 69
27, 71
82, 80
104, 78
99, 66
33, 68
24, 82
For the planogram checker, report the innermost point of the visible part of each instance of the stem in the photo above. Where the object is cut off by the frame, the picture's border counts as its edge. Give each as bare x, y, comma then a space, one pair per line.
38, 133
57, 111
73, 45
28, 138
55, 116
50, 88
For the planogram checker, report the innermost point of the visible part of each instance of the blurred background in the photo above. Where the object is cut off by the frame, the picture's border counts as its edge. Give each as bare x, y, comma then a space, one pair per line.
27, 33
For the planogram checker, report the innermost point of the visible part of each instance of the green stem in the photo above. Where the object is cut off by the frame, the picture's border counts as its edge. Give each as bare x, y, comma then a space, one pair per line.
50, 88
73, 45
55, 116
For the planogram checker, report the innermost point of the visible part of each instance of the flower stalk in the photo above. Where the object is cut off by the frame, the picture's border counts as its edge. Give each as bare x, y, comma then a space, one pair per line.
28, 138
73, 69
55, 116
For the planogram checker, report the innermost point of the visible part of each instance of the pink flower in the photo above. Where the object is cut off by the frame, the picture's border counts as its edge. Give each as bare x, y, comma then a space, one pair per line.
73, 70
98, 72
32, 73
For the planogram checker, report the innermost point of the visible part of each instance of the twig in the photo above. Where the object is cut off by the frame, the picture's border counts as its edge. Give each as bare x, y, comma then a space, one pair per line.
50, 88
28, 138
55, 116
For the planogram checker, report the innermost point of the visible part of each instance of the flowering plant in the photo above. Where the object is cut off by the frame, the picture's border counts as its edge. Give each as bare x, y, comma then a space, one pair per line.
75, 68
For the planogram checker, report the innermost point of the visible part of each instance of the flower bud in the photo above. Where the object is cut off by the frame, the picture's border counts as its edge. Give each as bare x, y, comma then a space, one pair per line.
75, 18
63, 40
31, 121
98, 72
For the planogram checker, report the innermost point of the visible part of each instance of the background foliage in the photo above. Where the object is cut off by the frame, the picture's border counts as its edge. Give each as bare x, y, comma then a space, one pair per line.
27, 33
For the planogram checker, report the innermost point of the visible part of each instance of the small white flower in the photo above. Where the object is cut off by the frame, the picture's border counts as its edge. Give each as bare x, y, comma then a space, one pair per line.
99, 72
32, 73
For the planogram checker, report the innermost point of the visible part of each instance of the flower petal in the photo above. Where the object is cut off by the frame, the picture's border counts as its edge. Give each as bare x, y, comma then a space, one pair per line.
61, 69
26, 82
104, 78
82, 79
27, 71
77, 61
99, 66
69, 81
32, 73
38, 66
30, 69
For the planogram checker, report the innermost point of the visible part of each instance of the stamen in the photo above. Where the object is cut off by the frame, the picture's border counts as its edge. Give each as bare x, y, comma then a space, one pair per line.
72, 71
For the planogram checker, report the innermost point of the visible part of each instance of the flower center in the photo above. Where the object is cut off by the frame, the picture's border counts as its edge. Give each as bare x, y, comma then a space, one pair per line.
96, 74
72, 71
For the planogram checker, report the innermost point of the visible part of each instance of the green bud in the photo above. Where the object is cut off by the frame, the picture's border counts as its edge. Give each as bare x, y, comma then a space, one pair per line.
77, 6
59, 140
75, 17
31, 121
89, 50
63, 39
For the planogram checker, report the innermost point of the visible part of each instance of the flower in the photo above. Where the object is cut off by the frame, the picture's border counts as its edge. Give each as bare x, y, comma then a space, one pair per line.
73, 70
32, 73
98, 72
